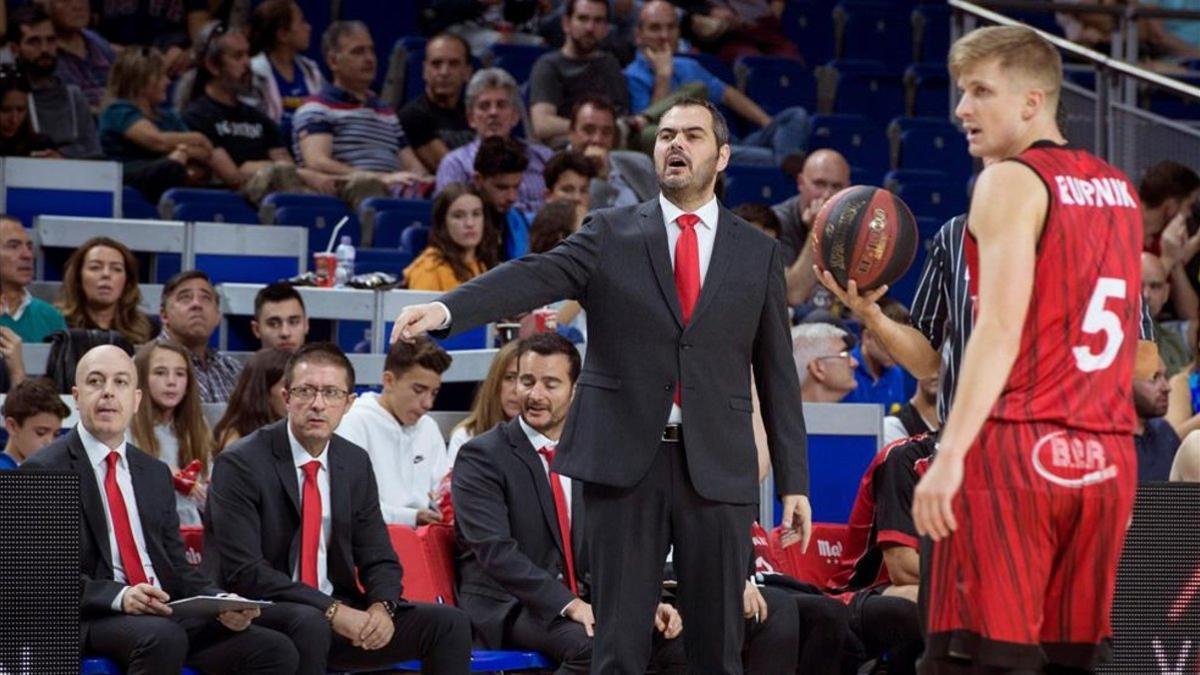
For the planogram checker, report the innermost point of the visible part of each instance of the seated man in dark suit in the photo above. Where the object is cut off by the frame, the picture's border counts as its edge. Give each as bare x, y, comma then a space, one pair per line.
131, 556
522, 587
294, 517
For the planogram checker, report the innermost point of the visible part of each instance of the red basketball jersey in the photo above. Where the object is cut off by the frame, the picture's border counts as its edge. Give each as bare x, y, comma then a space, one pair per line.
1080, 336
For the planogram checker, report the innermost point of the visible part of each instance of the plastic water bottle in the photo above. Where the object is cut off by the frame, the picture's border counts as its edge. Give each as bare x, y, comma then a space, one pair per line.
345, 260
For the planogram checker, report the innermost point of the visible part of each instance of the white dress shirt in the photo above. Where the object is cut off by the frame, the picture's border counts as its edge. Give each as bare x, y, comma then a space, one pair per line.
301, 457
706, 235
97, 453
539, 441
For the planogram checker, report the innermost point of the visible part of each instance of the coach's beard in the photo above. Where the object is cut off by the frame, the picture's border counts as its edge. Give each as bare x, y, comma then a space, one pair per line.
683, 187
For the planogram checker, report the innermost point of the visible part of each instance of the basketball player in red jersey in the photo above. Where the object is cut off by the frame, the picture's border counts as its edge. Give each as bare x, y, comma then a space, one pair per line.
1030, 493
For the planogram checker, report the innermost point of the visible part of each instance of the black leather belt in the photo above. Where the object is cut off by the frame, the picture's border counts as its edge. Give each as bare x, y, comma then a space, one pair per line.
673, 433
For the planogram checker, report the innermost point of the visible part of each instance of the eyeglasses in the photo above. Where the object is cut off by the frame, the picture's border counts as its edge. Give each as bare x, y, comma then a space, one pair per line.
840, 355
307, 394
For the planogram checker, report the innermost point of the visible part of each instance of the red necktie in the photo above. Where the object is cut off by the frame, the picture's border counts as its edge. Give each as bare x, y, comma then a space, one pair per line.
126, 547
310, 529
564, 518
687, 272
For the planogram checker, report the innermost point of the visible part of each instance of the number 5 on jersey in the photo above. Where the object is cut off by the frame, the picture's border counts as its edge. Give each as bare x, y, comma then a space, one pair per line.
1099, 319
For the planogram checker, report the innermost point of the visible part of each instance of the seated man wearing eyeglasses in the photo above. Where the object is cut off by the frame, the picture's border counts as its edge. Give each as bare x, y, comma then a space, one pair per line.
824, 362
294, 517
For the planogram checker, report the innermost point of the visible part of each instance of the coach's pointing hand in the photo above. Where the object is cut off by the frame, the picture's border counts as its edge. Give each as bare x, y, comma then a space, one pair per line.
417, 320
933, 501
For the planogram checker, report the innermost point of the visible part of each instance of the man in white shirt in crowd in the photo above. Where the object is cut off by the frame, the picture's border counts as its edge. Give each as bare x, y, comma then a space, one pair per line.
406, 447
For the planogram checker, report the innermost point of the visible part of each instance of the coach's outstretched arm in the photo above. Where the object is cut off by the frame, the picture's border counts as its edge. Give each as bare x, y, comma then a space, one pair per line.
513, 287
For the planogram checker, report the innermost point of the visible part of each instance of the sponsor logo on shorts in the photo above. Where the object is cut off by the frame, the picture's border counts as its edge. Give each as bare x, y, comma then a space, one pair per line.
1071, 462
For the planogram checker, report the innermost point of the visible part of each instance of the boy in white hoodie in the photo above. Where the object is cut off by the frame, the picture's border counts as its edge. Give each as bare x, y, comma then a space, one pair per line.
406, 447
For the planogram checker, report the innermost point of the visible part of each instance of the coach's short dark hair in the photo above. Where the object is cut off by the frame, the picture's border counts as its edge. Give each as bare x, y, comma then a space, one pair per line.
500, 155
549, 344
319, 352
34, 396
178, 280
1167, 180
276, 292
568, 160
720, 126
421, 352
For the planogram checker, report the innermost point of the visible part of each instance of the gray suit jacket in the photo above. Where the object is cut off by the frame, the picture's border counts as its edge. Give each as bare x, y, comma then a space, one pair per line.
638, 171
618, 267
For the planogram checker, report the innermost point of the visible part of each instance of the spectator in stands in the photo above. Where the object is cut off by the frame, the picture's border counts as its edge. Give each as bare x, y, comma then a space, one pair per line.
761, 216
190, 315
282, 77
824, 173
17, 137
493, 110
336, 588
84, 56
1155, 291
656, 73
524, 578
1153, 437
735, 28
405, 444
33, 413
462, 242
249, 137
554, 223
623, 178
824, 362
499, 166
568, 177
483, 23
170, 27
59, 109
560, 78
33, 320
169, 424
436, 121
918, 416
100, 290
126, 498
257, 399
1168, 192
347, 130
497, 400
880, 379
12, 360
153, 143
280, 320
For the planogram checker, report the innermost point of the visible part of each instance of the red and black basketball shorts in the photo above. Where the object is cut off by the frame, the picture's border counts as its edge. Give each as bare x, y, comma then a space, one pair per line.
1029, 575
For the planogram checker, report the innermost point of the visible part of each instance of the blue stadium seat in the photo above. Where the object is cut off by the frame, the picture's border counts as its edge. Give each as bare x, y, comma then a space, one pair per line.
868, 87
134, 205
929, 87
776, 83
494, 661
930, 194
319, 213
99, 666
874, 30
414, 238
318, 13
765, 184
390, 260
933, 39
714, 65
518, 60
809, 24
387, 25
936, 149
860, 139
389, 217
207, 206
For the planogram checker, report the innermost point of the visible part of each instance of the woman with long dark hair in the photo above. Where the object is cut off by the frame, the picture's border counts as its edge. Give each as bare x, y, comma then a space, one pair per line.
257, 399
462, 244
17, 137
100, 290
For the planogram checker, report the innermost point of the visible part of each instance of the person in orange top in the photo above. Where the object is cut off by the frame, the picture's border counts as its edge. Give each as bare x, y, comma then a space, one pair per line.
462, 244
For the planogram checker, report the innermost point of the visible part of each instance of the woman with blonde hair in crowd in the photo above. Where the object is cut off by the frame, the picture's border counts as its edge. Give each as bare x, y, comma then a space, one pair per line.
462, 244
496, 400
100, 290
257, 398
170, 423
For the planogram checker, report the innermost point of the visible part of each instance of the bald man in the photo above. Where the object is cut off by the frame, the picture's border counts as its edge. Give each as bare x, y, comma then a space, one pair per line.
1156, 290
131, 556
824, 174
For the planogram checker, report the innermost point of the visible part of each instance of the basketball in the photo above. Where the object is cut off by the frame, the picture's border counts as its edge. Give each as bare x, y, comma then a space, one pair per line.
866, 234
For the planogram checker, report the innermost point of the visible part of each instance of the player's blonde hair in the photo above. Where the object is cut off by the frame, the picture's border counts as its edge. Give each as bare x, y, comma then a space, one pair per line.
1019, 50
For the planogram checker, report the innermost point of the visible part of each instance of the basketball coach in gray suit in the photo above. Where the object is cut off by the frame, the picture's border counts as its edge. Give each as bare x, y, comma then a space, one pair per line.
684, 302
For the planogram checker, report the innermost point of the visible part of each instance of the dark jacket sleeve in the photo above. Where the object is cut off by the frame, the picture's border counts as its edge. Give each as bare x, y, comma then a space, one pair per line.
234, 513
561, 273
481, 514
378, 569
779, 387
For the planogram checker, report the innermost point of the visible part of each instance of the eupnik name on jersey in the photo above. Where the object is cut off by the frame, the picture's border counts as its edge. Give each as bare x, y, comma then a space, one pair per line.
1074, 191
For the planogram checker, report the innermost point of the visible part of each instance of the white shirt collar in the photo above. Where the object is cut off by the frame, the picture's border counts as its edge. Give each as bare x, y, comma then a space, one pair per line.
535, 437
300, 456
26, 300
97, 451
708, 213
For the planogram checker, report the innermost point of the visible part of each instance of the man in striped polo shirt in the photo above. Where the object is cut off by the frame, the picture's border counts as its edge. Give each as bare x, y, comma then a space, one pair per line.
346, 129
